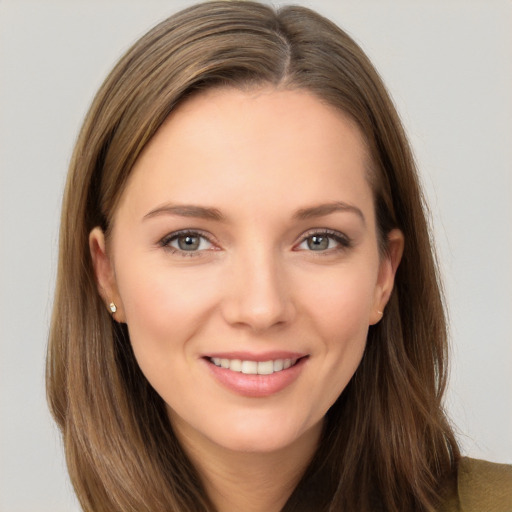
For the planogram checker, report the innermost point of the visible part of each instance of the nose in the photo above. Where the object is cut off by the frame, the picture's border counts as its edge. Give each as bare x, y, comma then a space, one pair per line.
258, 294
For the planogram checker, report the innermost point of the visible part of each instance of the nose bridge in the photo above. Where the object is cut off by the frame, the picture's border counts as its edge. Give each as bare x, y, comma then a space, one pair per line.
258, 294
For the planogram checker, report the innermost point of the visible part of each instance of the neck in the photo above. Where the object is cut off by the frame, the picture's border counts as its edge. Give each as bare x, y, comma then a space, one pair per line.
250, 481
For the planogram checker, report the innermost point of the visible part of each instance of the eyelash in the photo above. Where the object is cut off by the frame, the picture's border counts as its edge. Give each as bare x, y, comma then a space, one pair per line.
166, 241
342, 240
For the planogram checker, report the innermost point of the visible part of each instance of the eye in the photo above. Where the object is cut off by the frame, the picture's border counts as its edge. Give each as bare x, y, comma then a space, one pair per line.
186, 242
321, 241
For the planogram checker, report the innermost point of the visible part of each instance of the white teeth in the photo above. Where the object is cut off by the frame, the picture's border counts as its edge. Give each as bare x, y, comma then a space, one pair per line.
253, 367
278, 365
250, 367
265, 367
235, 365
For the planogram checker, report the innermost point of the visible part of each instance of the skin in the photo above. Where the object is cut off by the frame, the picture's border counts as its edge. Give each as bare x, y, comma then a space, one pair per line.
256, 283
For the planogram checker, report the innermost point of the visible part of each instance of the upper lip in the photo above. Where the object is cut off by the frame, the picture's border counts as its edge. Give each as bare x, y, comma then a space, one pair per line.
258, 357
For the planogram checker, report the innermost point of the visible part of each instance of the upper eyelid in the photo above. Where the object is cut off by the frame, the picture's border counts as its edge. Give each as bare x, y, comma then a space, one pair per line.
325, 232
183, 232
211, 239
343, 241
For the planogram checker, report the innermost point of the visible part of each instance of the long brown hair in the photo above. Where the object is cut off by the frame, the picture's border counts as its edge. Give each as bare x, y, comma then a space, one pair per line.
387, 444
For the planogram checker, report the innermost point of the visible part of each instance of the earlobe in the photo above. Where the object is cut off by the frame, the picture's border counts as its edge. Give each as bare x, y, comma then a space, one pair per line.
104, 272
387, 271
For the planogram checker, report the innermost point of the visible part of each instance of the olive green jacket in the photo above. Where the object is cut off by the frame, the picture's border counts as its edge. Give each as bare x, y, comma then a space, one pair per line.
480, 487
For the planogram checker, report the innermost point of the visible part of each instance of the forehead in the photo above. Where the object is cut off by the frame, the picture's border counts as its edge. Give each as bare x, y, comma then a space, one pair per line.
254, 107
263, 143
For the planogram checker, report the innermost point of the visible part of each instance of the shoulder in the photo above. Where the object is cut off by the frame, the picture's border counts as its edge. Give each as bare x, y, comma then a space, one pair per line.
481, 486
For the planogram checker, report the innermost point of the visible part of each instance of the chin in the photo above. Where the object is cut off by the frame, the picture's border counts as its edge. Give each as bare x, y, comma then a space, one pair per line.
253, 436
260, 443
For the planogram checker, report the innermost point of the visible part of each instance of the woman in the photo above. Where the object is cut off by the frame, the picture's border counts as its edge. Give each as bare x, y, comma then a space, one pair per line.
248, 314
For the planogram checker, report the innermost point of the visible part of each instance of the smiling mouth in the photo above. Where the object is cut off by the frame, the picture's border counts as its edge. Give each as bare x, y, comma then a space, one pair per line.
254, 367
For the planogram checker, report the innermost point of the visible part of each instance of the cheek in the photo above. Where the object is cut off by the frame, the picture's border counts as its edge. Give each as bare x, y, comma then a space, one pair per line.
343, 300
163, 307
340, 311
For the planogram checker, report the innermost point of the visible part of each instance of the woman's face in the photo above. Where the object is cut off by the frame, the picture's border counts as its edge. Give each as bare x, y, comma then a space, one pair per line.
244, 260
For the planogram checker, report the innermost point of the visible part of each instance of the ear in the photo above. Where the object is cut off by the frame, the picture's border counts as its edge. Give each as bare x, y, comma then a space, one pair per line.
387, 270
105, 275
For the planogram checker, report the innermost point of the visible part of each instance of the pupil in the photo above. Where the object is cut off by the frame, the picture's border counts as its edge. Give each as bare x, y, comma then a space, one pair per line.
188, 243
318, 243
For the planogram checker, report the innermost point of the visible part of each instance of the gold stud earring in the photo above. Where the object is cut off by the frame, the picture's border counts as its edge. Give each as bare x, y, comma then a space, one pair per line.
113, 307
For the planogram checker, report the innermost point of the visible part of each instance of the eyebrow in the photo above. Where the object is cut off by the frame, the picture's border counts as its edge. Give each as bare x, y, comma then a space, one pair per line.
201, 212
326, 209
186, 210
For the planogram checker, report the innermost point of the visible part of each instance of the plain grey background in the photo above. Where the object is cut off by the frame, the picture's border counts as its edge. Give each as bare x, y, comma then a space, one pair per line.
448, 65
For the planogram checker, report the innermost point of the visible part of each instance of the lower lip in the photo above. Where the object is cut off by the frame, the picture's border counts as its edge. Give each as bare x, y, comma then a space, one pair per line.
256, 386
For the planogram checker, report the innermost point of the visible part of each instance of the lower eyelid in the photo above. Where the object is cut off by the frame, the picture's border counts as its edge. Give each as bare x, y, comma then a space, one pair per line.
339, 238
171, 237
202, 241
